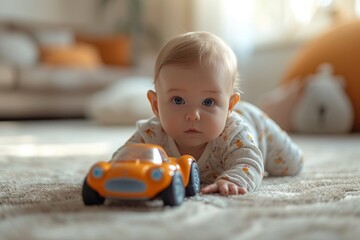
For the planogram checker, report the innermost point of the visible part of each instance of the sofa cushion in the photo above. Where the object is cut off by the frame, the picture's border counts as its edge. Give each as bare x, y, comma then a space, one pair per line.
114, 50
77, 55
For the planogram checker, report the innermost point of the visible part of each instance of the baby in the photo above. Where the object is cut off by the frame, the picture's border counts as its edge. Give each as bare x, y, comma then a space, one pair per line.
198, 112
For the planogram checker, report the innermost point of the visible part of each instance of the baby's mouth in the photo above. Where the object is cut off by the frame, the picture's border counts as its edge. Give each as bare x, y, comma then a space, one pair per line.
192, 130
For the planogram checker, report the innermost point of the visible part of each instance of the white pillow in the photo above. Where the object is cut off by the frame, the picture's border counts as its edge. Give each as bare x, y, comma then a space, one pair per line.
54, 37
17, 48
122, 103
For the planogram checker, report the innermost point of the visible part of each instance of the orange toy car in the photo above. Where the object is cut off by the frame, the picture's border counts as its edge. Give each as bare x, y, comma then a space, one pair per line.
142, 172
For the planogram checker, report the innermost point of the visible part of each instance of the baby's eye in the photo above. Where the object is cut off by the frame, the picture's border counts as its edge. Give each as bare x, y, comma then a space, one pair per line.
208, 102
178, 100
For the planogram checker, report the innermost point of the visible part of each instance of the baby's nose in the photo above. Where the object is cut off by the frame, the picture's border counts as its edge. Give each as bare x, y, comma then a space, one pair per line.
192, 116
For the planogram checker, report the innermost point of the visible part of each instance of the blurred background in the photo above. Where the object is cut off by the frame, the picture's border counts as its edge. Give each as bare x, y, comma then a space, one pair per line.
94, 58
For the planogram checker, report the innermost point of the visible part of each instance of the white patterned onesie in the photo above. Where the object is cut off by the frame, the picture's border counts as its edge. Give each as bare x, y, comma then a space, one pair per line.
250, 144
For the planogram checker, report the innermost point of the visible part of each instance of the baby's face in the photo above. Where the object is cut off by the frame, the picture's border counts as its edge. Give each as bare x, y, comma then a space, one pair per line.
193, 103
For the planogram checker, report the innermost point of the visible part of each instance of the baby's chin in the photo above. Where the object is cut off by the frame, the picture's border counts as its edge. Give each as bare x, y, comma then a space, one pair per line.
192, 141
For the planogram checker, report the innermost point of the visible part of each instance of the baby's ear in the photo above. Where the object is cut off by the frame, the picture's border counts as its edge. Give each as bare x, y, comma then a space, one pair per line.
234, 99
151, 95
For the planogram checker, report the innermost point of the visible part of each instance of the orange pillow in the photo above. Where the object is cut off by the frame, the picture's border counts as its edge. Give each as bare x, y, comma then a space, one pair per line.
339, 47
78, 55
114, 50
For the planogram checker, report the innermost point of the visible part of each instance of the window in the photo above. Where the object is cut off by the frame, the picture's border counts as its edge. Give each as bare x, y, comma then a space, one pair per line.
245, 24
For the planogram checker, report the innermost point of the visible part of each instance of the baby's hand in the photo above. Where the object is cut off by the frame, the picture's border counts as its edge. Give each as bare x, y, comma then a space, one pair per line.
224, 187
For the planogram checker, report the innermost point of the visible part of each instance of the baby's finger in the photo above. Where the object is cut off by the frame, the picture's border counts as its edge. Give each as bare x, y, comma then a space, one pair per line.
224, 189
209, 188
242, 190
233, 189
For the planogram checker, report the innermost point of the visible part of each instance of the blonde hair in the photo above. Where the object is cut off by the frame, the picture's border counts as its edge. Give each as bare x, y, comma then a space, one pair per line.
198, 47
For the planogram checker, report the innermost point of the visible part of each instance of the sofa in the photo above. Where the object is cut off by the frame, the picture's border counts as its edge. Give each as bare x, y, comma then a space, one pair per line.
52, 71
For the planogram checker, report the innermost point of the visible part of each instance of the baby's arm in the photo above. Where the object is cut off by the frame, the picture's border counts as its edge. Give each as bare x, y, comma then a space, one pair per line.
135, 138
243, 164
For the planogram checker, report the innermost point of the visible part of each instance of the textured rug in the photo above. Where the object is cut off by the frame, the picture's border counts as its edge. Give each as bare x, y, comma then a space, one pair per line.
40, 199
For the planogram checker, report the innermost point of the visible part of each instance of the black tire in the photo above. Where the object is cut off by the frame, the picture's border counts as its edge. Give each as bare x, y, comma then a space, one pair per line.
194, 180
174, 195
90, 196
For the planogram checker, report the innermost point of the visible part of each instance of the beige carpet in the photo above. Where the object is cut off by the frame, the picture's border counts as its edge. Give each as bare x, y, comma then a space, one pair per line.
40, 187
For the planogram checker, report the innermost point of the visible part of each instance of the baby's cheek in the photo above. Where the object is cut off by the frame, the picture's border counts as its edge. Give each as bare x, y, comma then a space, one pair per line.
168, 116
170, 125
217, 126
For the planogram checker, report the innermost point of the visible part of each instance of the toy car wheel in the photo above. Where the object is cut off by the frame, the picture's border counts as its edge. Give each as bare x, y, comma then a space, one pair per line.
194, 180
90, 196
174, 195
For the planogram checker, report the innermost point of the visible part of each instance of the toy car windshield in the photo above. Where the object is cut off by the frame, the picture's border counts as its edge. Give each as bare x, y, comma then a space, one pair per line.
135, 153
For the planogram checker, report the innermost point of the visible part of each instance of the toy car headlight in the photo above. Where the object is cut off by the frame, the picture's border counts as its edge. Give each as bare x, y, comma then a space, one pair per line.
157, 174
97, 172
